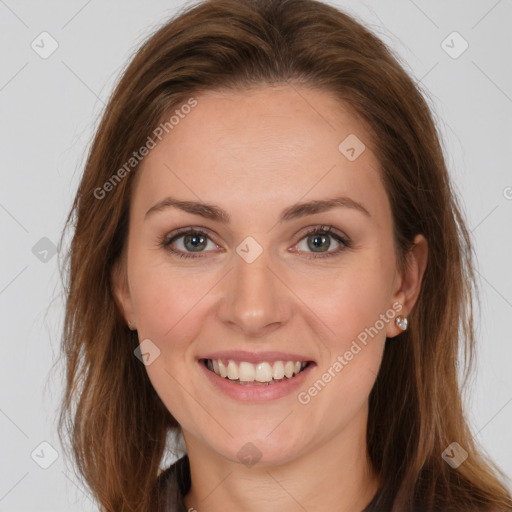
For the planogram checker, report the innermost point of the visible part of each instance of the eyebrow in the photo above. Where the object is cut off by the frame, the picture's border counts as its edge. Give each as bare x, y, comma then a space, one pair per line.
215, 213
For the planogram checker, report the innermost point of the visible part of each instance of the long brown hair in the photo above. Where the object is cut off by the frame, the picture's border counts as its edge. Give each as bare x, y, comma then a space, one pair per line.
115, 420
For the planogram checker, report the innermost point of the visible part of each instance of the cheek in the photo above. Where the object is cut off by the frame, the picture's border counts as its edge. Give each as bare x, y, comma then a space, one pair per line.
355, 307
164, 299
357, 315
168, 307
350, 300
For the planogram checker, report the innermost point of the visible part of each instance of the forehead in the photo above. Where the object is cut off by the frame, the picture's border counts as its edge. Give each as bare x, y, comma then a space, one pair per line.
268, 145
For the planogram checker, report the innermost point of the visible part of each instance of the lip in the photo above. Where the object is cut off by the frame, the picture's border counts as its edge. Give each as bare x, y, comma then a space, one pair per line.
255, 357
247, 393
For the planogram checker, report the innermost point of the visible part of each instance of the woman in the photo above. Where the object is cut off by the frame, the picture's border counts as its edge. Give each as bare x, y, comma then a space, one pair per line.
269, 261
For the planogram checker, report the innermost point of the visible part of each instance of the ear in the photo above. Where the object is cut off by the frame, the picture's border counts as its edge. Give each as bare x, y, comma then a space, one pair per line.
407, 285
121, 291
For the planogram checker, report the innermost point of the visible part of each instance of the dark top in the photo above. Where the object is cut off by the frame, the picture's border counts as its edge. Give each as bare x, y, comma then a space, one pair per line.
174, 484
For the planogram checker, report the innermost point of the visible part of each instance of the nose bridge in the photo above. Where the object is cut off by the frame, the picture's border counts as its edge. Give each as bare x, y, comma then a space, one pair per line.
254, 300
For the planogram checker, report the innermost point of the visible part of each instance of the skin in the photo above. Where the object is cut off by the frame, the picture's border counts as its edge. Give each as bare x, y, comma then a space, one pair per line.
254, 153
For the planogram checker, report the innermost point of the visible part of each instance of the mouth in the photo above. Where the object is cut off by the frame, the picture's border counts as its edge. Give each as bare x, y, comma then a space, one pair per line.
264, 373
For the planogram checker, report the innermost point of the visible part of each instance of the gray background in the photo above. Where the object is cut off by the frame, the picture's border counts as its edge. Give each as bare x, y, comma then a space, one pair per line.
49, 109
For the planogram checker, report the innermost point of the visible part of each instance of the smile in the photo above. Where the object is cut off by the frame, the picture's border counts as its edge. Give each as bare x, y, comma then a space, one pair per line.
259, 374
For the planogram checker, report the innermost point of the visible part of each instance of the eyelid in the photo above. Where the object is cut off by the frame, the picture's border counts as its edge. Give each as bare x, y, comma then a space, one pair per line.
324, 228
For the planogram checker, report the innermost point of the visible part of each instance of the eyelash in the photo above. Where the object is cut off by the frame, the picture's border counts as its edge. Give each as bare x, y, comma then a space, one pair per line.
166, 242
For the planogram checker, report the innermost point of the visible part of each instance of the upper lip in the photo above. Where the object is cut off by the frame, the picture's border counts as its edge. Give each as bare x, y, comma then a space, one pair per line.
256, 357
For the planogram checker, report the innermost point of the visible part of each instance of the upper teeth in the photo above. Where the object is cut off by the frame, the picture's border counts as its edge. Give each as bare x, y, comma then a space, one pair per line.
261, 372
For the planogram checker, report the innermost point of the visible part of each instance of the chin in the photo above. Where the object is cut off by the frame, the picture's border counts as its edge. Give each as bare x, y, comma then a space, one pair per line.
255, 448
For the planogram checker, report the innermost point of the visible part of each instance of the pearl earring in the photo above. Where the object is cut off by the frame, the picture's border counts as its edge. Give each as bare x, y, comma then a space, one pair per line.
402, 322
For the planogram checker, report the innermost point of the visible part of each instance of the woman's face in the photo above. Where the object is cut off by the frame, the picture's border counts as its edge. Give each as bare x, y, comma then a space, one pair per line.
256, 288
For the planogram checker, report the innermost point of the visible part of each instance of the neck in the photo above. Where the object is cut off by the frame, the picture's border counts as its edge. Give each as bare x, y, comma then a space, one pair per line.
334, 475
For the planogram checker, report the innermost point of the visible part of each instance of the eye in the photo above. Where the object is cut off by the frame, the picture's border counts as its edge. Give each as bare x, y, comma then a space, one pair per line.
317, 240
194, 242
190, 240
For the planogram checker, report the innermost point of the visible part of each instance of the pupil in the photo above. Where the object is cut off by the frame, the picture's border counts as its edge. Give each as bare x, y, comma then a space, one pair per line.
315, 245
197, 240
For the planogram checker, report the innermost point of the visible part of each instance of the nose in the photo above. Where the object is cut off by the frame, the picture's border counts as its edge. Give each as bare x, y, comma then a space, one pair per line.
254, 299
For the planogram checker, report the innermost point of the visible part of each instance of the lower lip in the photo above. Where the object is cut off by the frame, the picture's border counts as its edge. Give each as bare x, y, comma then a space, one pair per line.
248, 393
